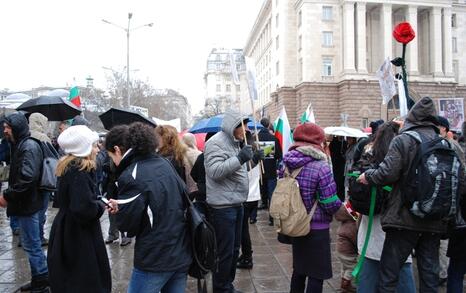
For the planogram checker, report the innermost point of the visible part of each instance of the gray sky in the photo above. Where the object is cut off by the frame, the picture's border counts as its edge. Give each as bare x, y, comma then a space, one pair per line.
51, 42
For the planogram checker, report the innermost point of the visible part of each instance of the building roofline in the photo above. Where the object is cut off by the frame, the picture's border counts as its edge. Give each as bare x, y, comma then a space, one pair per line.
260, 19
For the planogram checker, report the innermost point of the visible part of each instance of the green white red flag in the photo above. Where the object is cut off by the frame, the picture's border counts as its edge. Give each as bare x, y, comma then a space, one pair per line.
74, 96
308, 116
283, 131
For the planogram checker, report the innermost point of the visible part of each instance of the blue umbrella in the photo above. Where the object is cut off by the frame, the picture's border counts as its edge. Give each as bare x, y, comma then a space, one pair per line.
214, 124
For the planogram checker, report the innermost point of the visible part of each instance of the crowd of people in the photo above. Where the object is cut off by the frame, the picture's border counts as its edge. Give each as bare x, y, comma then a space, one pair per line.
140, 174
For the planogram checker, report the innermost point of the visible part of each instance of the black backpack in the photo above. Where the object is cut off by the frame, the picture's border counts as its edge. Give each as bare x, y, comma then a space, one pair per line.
431, 188
204, 245
48, 178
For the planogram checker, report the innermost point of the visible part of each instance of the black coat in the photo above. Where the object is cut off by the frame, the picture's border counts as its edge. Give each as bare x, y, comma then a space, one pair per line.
198, 175
77, 258
23, 195
164, 244
270, 165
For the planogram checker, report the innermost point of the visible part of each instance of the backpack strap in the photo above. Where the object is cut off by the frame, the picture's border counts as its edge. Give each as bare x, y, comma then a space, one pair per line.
294, 173
313, 209
415, 135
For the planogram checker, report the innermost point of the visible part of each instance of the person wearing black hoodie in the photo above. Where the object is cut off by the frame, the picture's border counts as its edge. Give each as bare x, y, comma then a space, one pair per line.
22, 198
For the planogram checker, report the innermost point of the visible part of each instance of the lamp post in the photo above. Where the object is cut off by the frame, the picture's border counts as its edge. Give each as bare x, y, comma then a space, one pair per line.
128, 29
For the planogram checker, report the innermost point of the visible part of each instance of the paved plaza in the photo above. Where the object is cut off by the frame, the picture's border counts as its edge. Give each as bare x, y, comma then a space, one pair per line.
271, 272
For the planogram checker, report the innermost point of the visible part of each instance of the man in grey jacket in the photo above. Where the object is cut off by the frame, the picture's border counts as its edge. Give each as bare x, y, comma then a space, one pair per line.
405, 231
227, 188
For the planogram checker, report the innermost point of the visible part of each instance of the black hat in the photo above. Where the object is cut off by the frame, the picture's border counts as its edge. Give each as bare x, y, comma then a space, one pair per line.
442, 121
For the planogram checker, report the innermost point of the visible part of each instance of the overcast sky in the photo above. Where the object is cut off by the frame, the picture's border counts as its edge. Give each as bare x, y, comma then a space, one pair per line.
52, 42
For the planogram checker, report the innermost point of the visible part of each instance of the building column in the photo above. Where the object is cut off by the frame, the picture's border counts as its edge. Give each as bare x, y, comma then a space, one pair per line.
361, 37
436, 41
447, 43
348, 33
387, 28
413, 65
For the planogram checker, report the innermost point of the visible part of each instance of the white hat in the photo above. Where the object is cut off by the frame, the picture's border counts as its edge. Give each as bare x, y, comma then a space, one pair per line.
77, 140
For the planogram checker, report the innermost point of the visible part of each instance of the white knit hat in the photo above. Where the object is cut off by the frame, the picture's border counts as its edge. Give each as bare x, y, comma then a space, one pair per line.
78, 140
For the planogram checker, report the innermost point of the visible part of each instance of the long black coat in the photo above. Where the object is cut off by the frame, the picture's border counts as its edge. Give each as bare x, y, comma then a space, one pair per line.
77, 257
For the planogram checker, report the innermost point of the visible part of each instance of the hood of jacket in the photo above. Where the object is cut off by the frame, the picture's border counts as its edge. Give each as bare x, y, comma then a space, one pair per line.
231, 120
423, 114
38, 124
302, 156
19, 126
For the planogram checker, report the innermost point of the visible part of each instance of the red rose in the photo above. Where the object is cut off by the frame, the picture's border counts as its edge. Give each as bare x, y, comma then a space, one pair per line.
404, 33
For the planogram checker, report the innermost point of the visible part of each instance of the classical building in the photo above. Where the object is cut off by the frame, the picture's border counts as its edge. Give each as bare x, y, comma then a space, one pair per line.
225, 80
327, 52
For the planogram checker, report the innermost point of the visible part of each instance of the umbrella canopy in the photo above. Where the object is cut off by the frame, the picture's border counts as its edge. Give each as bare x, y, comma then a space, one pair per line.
54, 108
115, 116
214, 124
344, 131
59, 93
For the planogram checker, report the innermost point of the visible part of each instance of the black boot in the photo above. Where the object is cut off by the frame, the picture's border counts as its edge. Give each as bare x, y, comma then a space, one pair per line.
26, 287
40, 284
245, 262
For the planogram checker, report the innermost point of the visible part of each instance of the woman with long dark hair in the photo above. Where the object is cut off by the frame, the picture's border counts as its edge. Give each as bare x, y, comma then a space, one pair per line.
162, 253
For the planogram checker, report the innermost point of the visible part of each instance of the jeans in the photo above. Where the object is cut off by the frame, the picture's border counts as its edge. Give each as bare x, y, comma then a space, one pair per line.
246, 247
369, 278
227, 223
298, 284
30, 238
43, 212
456, 272
14, 225
398, 245
164, 282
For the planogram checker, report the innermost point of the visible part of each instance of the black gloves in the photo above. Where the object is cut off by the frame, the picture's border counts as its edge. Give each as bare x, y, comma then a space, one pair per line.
245, 154
258, 155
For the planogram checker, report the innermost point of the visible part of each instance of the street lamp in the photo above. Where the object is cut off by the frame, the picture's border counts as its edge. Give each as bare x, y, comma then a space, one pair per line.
128, 30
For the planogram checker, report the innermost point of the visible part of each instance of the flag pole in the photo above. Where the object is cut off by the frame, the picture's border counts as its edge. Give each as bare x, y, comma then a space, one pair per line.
257, 139
245, 140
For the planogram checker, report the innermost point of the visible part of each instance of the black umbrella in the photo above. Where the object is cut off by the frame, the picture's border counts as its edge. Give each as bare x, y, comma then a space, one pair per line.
54, 108
116, 116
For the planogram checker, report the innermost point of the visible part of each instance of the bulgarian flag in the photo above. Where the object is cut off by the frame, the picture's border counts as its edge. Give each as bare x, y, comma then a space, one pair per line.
74, 96
283, 131
308, 116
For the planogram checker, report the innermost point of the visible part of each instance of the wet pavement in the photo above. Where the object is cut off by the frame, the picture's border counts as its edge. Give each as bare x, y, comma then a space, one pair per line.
271, 271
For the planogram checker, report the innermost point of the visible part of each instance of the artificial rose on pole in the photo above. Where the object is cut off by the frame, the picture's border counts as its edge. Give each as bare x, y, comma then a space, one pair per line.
404, 33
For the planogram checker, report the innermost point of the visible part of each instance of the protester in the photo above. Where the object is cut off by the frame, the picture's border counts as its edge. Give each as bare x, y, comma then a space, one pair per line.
162, 253
404, 230
254, 175
338, 147
190, 158
77, 256
171, 148
373, 154
349, 159
38, 124
269, 175
347, 251
311, 253
22, 198
457, 254
226, 159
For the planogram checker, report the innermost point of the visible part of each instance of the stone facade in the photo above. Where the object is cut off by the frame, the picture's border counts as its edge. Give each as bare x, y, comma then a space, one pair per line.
327, 52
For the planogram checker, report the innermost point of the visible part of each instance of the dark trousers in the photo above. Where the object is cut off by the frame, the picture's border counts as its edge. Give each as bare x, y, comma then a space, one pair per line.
298, 284
246, 247
398, 245
456, 271
227, 223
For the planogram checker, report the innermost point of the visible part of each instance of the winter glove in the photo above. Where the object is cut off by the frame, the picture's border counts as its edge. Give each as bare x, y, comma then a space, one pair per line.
258, 155
245, 154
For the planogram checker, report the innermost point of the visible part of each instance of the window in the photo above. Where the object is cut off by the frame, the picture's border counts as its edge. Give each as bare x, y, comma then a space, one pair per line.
238, 88
327, 39
365, 122
277, 68
218, 77
300, 69
456, 70
277, 44
218, 57
300, 18
219, 88
454, 45
276, 20
453, 20
327, 12
327, 67
300, 43
228, 88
